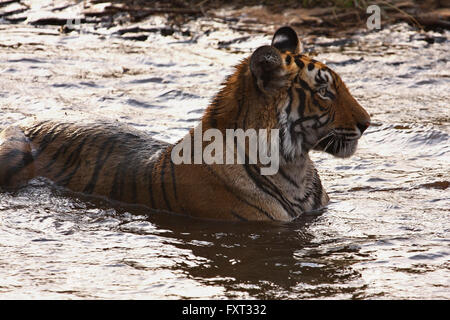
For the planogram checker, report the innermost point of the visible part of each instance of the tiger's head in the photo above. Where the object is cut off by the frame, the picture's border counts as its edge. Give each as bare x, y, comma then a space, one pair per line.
314, 108
277, 87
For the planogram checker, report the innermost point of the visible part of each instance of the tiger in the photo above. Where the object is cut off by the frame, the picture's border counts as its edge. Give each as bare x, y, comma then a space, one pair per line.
276, 87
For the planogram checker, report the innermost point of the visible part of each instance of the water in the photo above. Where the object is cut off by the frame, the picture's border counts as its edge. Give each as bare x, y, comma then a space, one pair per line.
385, 233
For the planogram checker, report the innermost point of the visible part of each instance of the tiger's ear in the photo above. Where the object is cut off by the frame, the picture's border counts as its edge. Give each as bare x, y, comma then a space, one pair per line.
286, 39
267, 67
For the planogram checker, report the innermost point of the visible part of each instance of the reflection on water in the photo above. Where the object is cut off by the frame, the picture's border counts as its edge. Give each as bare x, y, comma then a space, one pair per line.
384, 235
78, 242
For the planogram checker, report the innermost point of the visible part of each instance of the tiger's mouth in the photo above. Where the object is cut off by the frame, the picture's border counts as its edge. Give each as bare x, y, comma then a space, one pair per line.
338, 144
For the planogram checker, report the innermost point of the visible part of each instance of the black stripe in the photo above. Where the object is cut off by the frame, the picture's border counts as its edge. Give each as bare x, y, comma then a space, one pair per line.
49, 137
49, 165
66, 180
315, 190
305, 197
316, 103
304, 84
62, 150
119, 179
113, 194
212, 116
299, 62
238, 216
335, 80
72, 159
34, 130
301, 102
332, 116
245, 117
299, 121
172, 171
288, 60
238, 113
134, 183
163, 167
320, 78
101, 159
263, 183
268, 215
318, 194
287, 205
309, 189
133, 175
150, 183
74, 156
319, 124
282, 151
330, 95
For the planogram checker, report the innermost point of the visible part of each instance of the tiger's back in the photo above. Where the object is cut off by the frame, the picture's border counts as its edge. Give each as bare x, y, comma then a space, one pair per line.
99, 158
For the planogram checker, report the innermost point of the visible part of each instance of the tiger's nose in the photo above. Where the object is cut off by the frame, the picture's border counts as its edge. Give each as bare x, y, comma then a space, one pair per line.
363, 126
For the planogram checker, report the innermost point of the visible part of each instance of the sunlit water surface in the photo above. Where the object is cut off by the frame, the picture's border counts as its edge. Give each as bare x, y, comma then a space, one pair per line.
385, 233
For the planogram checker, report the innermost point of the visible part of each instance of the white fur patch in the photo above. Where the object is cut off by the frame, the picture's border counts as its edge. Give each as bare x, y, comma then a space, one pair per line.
280, 38
291, 148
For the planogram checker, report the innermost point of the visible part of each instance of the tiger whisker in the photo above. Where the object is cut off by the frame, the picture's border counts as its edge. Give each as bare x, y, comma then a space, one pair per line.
330, 143
323, 138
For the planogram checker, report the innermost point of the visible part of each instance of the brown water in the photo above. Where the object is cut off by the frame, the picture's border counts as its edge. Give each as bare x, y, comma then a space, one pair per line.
385, 234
